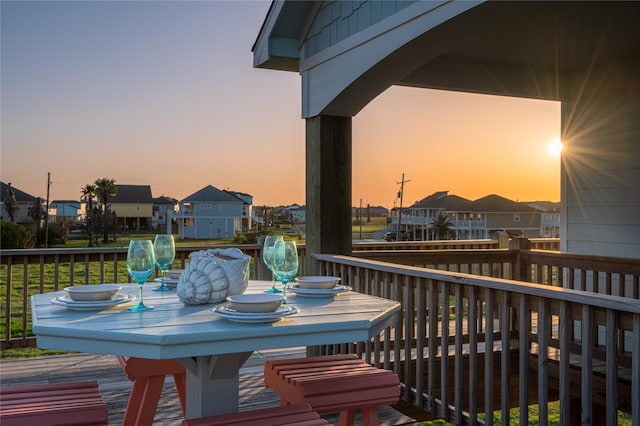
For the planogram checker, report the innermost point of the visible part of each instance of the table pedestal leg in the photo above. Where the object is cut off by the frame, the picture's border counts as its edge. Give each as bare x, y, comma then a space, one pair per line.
213, 384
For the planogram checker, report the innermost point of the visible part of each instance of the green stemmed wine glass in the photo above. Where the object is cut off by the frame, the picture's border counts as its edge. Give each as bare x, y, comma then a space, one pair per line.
164, 250
140, 265
285, 263
267, 258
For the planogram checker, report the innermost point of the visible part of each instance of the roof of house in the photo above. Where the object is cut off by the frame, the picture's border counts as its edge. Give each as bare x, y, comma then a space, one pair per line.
545, 206
163, 199
211, 194
127, 194
65, 202
496, 204
489, 204
21, 196
443, 201
245, 198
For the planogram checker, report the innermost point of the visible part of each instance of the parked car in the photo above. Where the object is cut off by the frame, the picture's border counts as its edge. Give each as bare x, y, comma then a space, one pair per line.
392, 236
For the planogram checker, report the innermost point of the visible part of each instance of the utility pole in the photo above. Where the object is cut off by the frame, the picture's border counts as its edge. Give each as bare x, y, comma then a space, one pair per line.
360, 214
400, 195
46, 213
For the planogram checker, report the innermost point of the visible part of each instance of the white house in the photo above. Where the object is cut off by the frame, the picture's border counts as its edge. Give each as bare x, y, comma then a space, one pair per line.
163, 210
482, 218
209, 214
22, 201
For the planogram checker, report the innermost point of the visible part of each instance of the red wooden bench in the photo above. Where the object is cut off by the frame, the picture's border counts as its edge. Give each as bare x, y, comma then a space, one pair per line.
334, 383
78, 403
299, 415
148, 377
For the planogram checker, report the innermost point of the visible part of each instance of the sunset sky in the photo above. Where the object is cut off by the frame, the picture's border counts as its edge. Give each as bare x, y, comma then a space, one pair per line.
164, 94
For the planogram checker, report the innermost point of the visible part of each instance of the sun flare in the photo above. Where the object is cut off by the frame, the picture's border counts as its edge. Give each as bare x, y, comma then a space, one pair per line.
555, 148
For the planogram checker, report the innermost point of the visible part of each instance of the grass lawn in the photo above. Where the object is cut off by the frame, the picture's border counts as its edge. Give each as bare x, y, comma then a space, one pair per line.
368, 228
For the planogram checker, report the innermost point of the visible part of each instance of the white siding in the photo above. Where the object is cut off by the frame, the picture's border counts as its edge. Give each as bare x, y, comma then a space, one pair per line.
601, 177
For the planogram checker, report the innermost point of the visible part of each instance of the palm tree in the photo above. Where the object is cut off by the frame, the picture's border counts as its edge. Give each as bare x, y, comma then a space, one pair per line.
105, 189
441, 225
10, 204
88, 196
36, 213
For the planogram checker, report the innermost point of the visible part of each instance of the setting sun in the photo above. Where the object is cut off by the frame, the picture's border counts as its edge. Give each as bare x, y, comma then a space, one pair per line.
555, 147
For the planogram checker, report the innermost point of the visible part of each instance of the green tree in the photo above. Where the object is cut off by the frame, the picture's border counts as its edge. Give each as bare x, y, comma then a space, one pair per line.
89, 196
10, 204
105, 189
442, 227
36, 213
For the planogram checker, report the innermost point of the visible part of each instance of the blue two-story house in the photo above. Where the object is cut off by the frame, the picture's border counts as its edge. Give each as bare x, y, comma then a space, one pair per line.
209, 214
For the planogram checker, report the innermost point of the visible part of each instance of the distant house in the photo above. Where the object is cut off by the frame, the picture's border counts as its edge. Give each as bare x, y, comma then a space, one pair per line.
550, 218
163, 209
67, 211
247, 209
514, 218
23, 202
478, 219
297, 213
210, 214
133, 205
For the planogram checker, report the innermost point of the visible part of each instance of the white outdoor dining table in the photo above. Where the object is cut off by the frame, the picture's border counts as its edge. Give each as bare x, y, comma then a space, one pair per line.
212, 349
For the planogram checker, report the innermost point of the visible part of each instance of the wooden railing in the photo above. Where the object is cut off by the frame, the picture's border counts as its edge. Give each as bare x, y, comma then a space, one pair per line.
597, 274
29, 272
509, 343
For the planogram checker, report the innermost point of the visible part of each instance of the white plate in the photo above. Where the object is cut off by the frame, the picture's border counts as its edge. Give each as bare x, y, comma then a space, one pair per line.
169, 282
317, 292
175, 273
69, 303
227, 312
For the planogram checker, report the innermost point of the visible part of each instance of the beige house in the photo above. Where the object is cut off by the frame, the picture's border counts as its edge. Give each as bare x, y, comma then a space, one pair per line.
133, 205
479, 219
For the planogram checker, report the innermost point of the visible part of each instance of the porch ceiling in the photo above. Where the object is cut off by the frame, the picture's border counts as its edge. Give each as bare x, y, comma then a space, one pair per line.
524, 48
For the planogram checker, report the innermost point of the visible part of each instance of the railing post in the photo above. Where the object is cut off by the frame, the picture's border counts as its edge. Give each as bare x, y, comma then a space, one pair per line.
261, 270
522, 271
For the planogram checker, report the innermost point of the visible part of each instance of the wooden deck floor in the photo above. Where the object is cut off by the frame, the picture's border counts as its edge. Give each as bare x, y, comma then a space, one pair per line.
115, 387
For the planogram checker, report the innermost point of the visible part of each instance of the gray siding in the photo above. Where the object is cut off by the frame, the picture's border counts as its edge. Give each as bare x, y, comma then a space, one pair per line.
338, 20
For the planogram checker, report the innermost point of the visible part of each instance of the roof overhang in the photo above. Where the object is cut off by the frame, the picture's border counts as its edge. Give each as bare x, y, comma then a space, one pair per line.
278, 44
522, 48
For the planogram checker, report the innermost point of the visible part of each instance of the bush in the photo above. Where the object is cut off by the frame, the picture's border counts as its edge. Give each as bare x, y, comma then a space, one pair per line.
14, 236
57, 235
249, 237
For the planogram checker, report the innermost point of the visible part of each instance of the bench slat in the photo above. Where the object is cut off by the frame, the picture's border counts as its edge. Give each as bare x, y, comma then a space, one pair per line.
300, 414
52, 404
334, 383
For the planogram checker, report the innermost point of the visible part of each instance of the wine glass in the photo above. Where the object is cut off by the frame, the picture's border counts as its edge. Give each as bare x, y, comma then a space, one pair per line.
267, 258
140, 265
164, 250
285, 263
